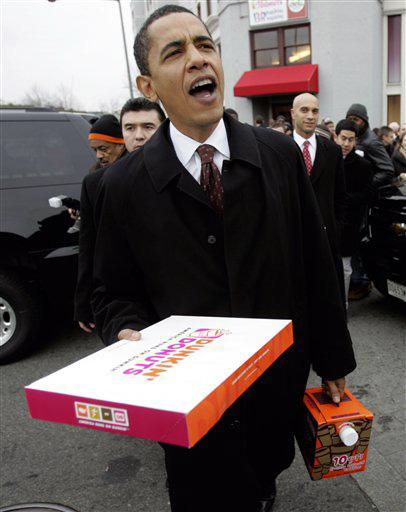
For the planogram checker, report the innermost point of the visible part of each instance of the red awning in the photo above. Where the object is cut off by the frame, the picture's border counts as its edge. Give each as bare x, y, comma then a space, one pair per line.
278, 80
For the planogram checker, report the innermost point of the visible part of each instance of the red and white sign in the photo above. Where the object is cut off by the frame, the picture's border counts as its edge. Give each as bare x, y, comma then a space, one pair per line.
268, 12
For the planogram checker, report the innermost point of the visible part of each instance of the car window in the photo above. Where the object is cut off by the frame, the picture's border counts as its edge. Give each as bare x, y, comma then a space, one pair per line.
37, 153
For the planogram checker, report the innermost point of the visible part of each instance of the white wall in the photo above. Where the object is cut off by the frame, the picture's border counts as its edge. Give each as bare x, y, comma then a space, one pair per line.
235, 53
347, 45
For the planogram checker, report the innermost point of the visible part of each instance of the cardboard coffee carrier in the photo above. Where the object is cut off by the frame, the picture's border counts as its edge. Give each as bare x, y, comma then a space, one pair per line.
171, 386
333, 439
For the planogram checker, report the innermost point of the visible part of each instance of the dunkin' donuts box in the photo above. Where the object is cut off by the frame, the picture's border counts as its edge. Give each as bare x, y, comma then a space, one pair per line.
171, 386
333, 439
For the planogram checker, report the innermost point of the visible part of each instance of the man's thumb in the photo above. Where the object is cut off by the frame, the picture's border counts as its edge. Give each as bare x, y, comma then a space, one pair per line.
129, 334
335, 394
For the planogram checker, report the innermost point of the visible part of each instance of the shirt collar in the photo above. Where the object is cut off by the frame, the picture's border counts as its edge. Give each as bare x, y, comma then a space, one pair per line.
299, 139
185, 147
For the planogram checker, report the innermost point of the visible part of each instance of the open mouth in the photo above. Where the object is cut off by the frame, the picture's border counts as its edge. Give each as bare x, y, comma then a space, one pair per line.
203, 88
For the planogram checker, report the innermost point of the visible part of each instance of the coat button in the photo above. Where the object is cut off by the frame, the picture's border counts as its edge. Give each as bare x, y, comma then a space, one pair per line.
211, 239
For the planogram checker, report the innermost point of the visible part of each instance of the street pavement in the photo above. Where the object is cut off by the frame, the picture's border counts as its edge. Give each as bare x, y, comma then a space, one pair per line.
98, 472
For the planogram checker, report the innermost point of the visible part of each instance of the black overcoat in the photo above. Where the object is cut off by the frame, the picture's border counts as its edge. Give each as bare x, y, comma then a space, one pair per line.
87, 241
328, 180
358, 179
161, 249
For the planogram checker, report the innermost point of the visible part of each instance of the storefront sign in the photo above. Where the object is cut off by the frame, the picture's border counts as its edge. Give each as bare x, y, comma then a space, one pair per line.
266, 12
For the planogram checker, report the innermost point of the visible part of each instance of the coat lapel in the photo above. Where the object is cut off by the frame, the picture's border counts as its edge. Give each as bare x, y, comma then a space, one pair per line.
319, 162
163, 166
191, 187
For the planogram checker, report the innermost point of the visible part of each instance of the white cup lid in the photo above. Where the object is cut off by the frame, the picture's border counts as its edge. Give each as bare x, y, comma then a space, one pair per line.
348, 435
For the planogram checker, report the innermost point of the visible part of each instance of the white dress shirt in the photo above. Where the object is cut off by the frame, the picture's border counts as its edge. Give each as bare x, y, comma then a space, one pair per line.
185, 148
312, 144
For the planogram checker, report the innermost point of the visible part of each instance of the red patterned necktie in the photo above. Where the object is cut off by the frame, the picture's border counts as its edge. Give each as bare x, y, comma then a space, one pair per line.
307, 157
210, 177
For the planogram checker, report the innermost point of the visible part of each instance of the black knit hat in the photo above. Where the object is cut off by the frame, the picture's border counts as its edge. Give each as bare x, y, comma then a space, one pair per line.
107, 128
358, 110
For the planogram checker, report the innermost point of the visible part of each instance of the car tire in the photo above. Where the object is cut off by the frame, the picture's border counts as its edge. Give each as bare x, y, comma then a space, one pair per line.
20, 316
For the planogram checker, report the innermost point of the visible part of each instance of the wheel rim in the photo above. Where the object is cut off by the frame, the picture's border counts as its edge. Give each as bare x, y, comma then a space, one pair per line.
8, 321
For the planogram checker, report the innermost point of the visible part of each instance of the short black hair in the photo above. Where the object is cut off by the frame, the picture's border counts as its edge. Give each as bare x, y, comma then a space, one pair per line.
137, 104
385, 130
347, 124
142, 43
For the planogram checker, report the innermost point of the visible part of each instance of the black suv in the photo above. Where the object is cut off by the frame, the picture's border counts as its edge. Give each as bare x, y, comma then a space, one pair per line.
384, 249
43, 154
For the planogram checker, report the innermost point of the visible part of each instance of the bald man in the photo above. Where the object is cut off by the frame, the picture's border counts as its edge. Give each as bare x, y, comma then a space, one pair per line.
324, 164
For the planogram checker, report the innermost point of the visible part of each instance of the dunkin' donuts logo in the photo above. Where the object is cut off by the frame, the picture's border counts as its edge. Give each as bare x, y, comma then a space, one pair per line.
89, 413
164, 359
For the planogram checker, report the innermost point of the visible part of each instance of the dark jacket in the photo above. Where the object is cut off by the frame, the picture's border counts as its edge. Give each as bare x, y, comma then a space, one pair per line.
358, 178
87, 240
375, 152
399, 162
161, 249
327, 178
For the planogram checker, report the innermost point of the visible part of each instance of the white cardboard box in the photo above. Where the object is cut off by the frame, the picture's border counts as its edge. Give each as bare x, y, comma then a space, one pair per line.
171, 386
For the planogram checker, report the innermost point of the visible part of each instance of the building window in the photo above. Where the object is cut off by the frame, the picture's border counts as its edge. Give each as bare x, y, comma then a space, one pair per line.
266, 49
393, 108
281, 46
394, 37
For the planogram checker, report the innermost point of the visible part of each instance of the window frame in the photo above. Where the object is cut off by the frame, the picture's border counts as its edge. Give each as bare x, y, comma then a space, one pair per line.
281, 44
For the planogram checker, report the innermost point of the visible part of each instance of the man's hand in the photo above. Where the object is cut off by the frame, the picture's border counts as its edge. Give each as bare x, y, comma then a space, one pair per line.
334, 389
87, 326
129, 334
74, 214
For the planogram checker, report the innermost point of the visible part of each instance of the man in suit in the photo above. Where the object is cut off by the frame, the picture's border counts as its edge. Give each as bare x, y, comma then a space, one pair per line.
373, 150
214, 217
324, 165
358, 178
106, 140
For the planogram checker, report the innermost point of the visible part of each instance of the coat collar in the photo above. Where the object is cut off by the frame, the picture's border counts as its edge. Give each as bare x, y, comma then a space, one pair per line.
163, 165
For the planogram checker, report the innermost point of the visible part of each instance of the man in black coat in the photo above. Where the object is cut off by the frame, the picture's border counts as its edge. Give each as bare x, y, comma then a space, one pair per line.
373, 150
111, 139
214, 217
358, 178
323, 160
106, 140
371, 146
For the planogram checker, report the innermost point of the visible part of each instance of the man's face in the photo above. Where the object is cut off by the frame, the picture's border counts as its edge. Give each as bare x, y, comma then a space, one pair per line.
388, 139
346, 139
357, 120
138, 127
185, 73
305, 114
106, 152
402, 130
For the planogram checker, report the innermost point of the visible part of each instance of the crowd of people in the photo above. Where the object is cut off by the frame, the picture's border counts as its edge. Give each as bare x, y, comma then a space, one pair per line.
363, 154
198, 214
391, 136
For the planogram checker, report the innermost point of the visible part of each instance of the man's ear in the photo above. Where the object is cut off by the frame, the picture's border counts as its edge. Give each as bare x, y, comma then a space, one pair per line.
145, 86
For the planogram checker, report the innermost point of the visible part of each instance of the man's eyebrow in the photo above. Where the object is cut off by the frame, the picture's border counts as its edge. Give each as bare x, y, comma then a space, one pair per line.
171, 44
202, 39
178, 43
